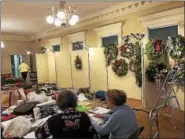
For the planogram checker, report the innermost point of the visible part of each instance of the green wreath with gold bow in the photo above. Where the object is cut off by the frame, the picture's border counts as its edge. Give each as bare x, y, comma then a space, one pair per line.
120, 67
78, 63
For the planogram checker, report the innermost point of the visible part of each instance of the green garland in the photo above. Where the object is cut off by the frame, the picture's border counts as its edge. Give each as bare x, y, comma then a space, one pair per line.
78, 63
175, 47
120, 67
154, 49
111, 53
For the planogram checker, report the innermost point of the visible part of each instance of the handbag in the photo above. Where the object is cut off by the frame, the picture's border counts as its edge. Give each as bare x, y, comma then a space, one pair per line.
25, 109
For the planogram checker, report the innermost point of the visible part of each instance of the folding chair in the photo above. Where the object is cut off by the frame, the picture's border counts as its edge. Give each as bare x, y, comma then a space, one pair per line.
136, 133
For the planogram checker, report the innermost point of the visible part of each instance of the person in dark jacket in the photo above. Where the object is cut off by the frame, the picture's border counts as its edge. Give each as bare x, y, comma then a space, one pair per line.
68, 124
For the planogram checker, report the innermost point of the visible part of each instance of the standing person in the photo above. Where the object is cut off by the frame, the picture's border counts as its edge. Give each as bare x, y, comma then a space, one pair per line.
24, 68
122, 122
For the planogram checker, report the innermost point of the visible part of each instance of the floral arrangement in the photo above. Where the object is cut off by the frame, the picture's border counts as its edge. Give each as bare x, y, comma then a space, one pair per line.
178, 74
111, 53
120, 67
175, 47
78, 63
155, 69
154, 49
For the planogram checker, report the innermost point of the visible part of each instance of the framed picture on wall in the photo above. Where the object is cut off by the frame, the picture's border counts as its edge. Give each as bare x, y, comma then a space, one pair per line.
106, 41
77, 46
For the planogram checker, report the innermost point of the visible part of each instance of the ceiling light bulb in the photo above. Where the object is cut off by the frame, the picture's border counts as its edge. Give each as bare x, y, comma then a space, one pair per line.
50, 19
57, 22
75, 17
72, 22
2, 44
61, 15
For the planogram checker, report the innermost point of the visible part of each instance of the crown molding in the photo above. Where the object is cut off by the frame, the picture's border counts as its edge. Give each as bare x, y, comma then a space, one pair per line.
8, 37
110, 13
165, 18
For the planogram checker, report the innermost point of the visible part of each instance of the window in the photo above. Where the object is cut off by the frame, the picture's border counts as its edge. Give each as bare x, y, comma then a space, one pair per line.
109, 40
163, 33
56, 48
77, 46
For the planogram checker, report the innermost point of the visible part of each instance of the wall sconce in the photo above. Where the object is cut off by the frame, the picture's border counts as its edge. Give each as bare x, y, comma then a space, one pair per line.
2, 44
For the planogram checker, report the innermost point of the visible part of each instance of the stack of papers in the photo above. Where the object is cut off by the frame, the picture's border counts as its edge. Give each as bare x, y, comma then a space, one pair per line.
81, 97
99, 110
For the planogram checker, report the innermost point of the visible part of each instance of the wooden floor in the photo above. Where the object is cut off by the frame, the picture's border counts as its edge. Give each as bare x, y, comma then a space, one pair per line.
166, 128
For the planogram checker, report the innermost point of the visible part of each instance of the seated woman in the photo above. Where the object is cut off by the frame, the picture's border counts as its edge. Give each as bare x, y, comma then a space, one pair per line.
122, 122
68, 124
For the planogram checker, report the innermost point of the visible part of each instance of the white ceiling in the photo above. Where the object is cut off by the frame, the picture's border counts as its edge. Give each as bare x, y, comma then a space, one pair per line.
28, 18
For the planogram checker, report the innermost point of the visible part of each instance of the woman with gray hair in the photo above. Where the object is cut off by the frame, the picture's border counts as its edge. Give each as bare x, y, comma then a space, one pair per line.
68, 124
122, 122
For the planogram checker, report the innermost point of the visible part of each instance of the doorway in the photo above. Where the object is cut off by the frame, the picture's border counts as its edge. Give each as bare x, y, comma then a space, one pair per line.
15, 62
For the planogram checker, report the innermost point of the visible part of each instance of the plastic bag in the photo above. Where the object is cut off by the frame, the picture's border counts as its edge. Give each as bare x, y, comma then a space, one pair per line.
18, 127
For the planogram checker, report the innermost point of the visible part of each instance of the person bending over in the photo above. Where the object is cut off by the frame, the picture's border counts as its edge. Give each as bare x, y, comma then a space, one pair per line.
122, 122
68, 124
24, 68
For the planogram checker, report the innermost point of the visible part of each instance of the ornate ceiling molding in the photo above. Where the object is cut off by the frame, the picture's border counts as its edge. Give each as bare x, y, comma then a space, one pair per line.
111, 13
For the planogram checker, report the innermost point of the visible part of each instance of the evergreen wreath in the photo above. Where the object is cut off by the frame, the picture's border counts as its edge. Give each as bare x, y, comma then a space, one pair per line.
120, 67
155, 68
111, 53
127, 50
154, 49
78, 63
175, 47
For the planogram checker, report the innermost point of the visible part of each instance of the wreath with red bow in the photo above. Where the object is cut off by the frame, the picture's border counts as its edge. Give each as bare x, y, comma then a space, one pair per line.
120, 67
154, 49
78, 63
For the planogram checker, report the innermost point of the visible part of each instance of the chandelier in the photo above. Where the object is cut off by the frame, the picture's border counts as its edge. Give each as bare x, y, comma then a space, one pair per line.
62, 16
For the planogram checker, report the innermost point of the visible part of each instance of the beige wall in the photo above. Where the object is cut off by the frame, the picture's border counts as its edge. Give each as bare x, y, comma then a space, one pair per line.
13, 48
98, 73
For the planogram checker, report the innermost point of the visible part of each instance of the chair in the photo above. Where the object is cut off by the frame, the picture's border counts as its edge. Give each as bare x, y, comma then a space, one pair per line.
136, 133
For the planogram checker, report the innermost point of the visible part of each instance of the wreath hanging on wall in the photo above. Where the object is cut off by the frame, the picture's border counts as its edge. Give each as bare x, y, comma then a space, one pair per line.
120, 67
154, 69
127, 50
78, 63
154, 49
111, 53
175, 47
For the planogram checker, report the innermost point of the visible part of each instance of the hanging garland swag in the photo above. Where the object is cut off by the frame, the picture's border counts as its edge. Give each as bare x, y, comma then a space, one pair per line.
120, 67
78, 63
111, 53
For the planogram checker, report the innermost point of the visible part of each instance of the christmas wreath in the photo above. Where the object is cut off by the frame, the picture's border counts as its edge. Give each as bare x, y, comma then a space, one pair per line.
154, 49
78, 63
120, 67
154, 69
175, 47
111, 53
127, 50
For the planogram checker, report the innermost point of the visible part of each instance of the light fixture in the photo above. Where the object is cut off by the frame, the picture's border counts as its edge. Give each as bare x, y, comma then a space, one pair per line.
2, 44
62, 16
28, 52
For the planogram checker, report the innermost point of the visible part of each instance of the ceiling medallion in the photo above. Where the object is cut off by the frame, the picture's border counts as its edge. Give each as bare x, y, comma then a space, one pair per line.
62, 16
